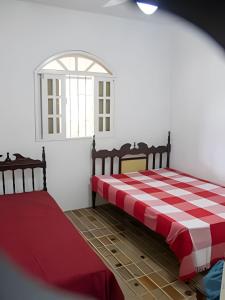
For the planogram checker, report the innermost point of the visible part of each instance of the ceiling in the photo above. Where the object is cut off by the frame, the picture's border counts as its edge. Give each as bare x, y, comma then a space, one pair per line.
127, 10
208, 15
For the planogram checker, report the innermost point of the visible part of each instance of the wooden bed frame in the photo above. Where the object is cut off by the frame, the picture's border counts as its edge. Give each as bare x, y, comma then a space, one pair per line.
22, 163
133, 153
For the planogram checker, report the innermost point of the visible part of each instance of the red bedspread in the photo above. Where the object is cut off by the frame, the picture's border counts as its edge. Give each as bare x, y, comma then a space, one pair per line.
36, 235
188, 212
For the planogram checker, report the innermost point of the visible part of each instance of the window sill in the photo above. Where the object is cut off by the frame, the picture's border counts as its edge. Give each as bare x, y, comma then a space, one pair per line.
63, 140
39, 140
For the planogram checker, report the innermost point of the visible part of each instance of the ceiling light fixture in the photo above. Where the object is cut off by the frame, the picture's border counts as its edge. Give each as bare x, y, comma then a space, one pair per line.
147, 8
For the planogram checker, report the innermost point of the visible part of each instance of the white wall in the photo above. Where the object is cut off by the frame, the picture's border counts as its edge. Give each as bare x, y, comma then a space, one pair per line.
137, 52
198, 104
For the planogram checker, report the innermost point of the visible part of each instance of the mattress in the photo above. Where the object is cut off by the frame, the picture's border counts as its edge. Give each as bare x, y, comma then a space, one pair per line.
187, 211
37, 237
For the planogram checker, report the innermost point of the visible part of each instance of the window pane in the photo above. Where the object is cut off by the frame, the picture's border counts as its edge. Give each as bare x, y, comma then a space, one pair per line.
58, 87
82, 116
89, 86
100, 88
108, 89
68, 62
54, 65
100, 106
50, 87
107, 123
100, 124
84, 63
50, 106
107, 106
58, 106
97, 69
58, 125
81, 86
50, 126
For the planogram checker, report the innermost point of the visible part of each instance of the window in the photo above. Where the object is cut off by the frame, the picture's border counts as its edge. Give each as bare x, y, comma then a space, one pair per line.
75, 97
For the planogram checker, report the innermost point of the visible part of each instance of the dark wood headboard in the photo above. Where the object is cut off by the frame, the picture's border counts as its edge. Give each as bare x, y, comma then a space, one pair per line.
141, 149
22, 163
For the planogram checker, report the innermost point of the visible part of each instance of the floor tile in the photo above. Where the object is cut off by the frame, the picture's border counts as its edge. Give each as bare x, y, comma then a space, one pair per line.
148, 297
137, 287
125, 273
173, 293
105, 241
135, 270
183, 288
140, 259
144, 267
95, 242
160, 295
113, 261
148, 283
160, 281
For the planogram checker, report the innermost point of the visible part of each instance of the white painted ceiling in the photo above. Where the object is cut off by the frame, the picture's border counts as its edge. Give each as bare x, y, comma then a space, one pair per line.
126, 10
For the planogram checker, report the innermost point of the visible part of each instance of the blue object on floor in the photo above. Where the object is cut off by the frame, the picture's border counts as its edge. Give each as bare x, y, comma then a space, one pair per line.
212, 281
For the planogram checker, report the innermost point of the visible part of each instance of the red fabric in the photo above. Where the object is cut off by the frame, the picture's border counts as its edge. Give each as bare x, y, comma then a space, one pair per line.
187, 211
38, 237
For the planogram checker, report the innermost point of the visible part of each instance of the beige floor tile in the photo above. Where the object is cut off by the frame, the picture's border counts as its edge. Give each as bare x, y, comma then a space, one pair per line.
113, 238
148, 283
112, 248
137, 287
123, 258
160, 281
125, 273
77, 223
160, 295
87, 223
183, 288
85, 211
88, 234
105, 241
97, 232
91, 218
127, 291
113, 261
145, 267
173, 293
77, 213
96, 243
105, 231
98, 224
167, 275
148, 297
135, 270
104, 252
152, 263
140, 259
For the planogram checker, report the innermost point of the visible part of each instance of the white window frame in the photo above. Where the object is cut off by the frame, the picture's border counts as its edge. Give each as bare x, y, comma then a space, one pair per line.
104, 133
40, 131
45, 115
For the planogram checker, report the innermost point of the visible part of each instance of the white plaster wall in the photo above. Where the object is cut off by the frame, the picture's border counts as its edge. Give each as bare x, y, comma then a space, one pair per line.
138, 53
198, 104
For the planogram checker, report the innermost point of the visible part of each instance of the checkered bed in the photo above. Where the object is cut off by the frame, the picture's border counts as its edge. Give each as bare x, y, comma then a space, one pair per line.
188, 212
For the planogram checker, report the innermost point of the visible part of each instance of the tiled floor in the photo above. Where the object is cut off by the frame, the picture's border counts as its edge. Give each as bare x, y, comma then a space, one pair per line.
142, 262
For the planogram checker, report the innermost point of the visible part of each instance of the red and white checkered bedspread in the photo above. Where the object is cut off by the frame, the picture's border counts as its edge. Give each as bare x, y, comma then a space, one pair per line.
188, 212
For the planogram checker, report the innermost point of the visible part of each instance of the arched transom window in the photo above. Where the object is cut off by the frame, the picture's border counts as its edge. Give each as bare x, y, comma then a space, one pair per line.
75, 97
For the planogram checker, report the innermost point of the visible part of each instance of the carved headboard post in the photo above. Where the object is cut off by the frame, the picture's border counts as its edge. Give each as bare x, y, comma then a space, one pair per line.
44, 169
93, 155
168, 151
8, 159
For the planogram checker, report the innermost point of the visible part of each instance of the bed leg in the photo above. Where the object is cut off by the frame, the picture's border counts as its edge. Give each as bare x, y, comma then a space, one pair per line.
93, 199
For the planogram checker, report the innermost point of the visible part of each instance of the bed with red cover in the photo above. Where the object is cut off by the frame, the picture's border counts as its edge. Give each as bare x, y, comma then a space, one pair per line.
36, 236
188, 212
